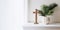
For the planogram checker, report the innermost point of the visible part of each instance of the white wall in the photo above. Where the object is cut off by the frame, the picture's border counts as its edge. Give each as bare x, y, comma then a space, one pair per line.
11, 14
35, 4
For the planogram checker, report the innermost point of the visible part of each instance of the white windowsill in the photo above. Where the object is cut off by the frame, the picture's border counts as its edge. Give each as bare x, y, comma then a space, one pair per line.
41, 25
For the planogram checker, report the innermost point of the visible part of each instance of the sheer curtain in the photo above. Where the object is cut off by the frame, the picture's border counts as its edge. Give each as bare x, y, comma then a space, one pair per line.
11, 14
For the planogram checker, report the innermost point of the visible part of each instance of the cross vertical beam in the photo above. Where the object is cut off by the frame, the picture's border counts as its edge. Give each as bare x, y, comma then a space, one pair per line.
36, 12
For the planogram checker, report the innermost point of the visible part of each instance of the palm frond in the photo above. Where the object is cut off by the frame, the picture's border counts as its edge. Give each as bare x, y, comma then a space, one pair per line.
47, 10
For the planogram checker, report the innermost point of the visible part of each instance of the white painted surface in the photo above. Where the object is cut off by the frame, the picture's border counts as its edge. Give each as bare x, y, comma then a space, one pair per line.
38, 28
31, 26
41, 25
35, 4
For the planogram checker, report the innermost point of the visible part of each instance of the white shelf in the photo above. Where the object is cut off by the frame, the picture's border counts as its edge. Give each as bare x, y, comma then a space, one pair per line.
41, 25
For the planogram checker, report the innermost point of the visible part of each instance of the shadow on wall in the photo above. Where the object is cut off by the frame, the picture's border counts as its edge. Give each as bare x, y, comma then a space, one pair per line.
56, 15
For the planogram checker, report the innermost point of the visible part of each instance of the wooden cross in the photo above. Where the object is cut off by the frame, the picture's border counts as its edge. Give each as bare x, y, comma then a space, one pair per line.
36, 12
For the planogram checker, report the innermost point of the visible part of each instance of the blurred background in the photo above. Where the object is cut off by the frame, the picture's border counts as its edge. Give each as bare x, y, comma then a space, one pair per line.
11, 14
